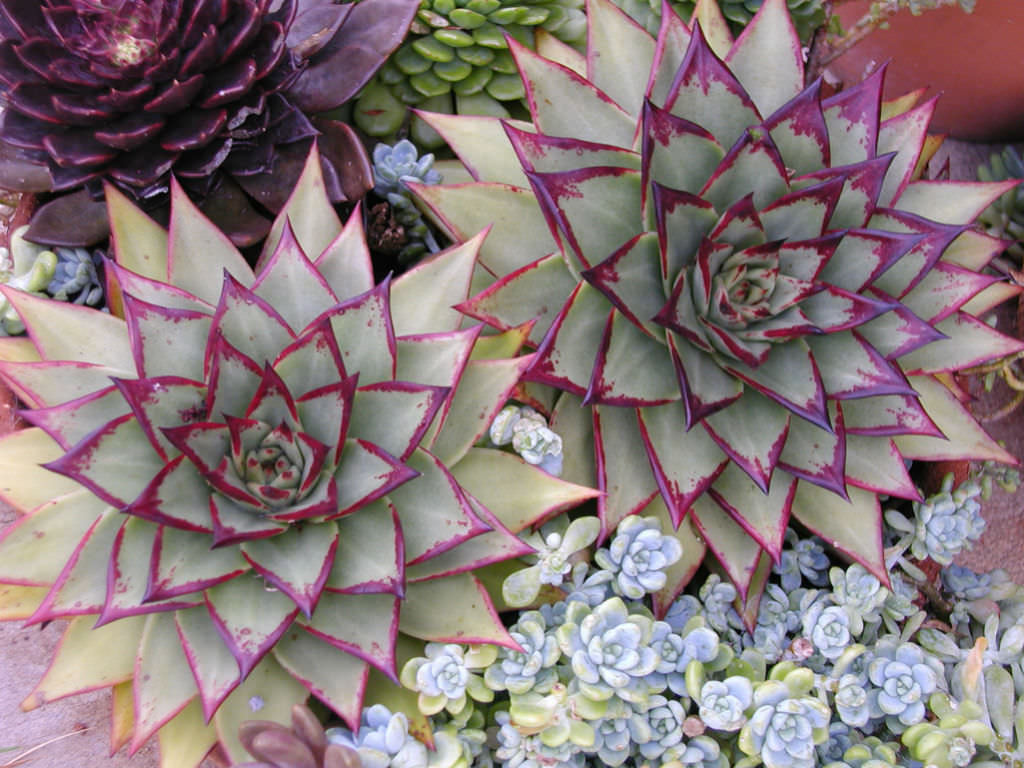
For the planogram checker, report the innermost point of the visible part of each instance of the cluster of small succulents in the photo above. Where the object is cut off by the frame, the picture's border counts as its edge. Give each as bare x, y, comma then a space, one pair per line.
944, 524
1005, 217
393, 167
65, 274
527, 432
598, 680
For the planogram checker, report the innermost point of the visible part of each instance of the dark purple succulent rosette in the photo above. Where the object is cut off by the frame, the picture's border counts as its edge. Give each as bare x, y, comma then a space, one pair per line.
132, 91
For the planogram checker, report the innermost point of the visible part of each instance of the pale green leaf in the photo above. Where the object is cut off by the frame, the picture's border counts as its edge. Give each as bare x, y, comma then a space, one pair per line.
469, 616
423, 299
769, 37
163, 682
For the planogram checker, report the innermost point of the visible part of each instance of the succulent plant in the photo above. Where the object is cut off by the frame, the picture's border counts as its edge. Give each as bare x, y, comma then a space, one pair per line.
723, 703
554, 545
383, 740
303, 745
638, 556
456, 58
27, 267
256, 476
1004, 218
698, 752
944, 524
532, 667
213, 91
902, 677
527, 432
609, 649
393, 166
807, 15
828, 628
703, 247
784, 729
76, 278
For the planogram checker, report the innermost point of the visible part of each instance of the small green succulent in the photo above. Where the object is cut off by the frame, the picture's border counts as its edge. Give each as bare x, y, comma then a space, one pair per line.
27, 267
807, 15
256, 482
705, 244
1005, 217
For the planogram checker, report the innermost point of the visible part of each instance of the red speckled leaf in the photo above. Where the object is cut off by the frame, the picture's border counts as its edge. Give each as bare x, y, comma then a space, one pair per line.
183, 563
755, 452
764, 516
297, 561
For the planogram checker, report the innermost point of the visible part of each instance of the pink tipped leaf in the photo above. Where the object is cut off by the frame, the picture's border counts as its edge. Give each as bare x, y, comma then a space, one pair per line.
624, 474
128, 576
888, 415
70, 422
852, 368
250, 618
670, 48
764, 516
115, 462
395, 415
905, 135
233, 378
815, 454
733, 547
705, 386
538, 152
557, 96
667, 137
357, 624
913, 266
631, 279
799, 131
167, 341
160, 690
479, 142
852, 119
199, 252
752, 165
365, 335
876, 465
944, 290
365, 473
163, 401
683, 221
471, 617
290, 283
213, 666
685, 461
705, 91
183, 563
345, 261
619, 52
769, 36
370, 558
233, 523
310, 362
564, 357
969, 342
177, 497
631, 368
758, 452
249, 323
533, 292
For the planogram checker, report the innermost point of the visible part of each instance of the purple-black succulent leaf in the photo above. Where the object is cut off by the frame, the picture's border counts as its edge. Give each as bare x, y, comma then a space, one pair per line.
366, 38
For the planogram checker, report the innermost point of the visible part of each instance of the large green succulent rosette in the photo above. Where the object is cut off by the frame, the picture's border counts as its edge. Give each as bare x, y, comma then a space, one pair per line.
742, 292
258, 484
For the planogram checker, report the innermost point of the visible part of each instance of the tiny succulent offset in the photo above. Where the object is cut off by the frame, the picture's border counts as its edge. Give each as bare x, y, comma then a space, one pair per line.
258, 475
393, 167
704, 243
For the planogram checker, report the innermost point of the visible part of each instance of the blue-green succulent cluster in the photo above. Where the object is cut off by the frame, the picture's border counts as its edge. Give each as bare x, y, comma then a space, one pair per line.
944, 524
65, 274
526, 431
838, 670
393, 168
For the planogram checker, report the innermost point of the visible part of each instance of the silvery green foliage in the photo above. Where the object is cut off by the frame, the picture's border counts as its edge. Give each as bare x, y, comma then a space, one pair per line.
717, 597
870, 753
676, 650
383, 740
27, 267
590, 587
778, 618
683, 608
698, 752
527, 431
828, 628
75, 278
609, 649
860, 593
638, 555
663, 727
517, 750
840, 738
851, 700
944, 524
531, 669
785, 729
554, 544
802, 559
446, 677
723, 703
964, 584
393, 167
903, 677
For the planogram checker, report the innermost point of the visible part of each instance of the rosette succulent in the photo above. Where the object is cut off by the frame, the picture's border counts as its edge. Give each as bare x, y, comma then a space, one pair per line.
383, 740
303, 744
948, 522
257, 476
704, 244
212, 90
1005, 217
723, 703
638, 555
784, 729
903, 677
